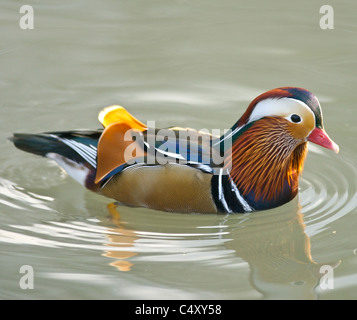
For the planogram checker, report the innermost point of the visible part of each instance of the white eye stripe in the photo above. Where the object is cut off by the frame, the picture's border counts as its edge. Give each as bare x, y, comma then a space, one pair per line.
283, 107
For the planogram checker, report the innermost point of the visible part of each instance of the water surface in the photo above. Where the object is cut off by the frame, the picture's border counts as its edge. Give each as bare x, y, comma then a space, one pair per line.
185, 63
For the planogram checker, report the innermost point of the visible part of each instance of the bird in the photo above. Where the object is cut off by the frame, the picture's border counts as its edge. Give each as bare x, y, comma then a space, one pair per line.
253, 166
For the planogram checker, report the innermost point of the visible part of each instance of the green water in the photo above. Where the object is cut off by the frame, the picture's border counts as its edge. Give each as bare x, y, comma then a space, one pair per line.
185, 63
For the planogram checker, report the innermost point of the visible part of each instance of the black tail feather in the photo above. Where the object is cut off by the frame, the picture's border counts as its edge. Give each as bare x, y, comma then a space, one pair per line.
38, 144
53, 142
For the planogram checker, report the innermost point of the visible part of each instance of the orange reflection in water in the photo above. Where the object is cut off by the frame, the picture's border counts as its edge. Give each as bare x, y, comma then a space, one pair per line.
120, 237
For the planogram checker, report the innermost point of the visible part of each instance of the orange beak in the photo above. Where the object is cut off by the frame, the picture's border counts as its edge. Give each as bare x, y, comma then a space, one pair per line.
320, 137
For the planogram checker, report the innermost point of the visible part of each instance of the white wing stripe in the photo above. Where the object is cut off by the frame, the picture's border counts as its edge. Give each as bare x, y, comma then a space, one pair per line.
231, 134
221, 194
87, 152
239, 197
170, 154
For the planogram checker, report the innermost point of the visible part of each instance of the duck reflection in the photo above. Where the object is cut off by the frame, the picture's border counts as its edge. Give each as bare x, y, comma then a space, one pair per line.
278, 252
120, 237
273, 243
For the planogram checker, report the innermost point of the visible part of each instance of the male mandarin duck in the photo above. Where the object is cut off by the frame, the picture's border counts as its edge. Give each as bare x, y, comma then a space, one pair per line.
262, 163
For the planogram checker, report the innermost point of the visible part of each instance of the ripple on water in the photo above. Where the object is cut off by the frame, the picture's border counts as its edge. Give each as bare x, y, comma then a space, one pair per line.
113, 240
16, 197
327, 190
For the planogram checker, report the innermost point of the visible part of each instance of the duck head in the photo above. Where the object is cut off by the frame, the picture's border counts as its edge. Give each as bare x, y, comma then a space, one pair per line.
299, 107
269, 143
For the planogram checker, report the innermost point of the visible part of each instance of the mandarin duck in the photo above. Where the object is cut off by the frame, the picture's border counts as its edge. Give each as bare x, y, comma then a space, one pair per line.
174, 170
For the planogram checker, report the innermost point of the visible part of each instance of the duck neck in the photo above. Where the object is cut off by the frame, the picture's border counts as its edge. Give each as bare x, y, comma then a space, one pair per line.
265, 162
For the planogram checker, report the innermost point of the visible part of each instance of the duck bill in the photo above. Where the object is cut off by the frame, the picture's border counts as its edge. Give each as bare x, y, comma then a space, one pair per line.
320, 137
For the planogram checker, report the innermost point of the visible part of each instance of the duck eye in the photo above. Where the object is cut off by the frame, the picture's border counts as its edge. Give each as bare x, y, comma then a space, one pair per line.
295, 118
